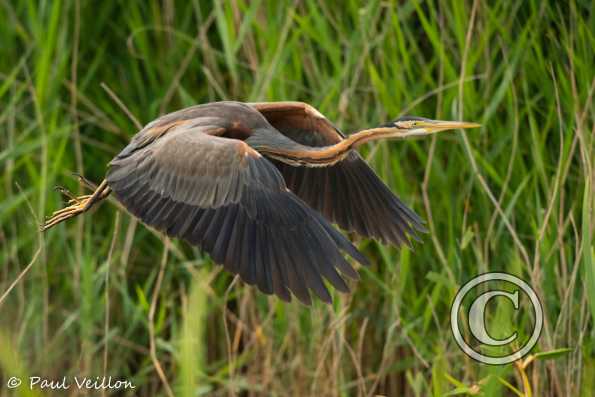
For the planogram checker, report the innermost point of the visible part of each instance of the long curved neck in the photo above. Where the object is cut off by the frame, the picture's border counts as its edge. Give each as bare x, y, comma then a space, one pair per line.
290, 152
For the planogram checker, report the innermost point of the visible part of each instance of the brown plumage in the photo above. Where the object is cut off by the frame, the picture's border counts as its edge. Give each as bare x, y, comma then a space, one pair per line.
256, 186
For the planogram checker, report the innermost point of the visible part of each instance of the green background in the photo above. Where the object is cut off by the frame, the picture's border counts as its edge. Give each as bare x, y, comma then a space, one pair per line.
88, 297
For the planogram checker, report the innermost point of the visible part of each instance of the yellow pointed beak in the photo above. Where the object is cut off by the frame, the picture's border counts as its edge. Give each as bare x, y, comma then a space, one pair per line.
433, 126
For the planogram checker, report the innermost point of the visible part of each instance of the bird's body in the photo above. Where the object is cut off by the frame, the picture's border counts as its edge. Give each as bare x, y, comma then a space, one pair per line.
257, 186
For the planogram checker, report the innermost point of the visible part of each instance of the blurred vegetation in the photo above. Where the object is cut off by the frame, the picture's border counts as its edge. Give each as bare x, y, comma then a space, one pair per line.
103, 295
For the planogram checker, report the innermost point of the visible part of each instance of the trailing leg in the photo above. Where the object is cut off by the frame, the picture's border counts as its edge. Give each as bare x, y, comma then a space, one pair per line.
78, 205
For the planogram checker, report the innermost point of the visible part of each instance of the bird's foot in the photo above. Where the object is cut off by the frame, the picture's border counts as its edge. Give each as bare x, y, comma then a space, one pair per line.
78, 206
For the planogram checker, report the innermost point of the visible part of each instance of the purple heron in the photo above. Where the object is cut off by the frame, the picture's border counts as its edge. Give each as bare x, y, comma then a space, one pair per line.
257, 185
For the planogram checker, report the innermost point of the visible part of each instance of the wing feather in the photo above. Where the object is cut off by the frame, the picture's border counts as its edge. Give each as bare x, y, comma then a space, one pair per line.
348, 193
223, 196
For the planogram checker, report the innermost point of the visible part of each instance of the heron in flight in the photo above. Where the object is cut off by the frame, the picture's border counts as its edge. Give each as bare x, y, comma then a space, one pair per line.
257, 186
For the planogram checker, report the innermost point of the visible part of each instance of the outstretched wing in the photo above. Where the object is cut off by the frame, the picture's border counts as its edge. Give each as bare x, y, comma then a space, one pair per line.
349, 193
222, 195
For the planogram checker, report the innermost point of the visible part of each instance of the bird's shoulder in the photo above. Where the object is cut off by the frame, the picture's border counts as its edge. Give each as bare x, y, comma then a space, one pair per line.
301, 122
231, 119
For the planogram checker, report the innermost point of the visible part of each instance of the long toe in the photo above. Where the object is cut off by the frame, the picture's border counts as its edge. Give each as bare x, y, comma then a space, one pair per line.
79, 200
54, 220
62, 211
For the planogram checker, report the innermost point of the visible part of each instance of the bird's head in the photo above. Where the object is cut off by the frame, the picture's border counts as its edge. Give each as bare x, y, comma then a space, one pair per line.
418, 126
406, 127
